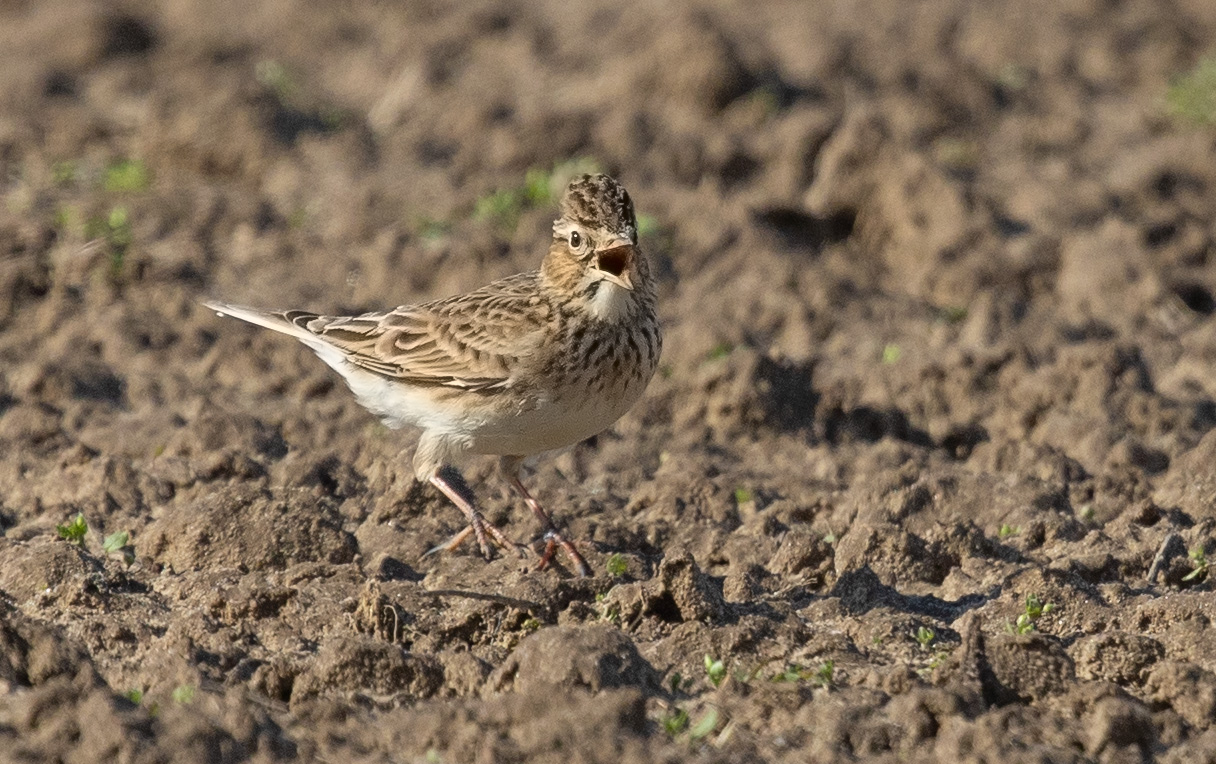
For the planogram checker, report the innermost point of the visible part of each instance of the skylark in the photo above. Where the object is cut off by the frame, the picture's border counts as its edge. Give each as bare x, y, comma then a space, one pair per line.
527, 364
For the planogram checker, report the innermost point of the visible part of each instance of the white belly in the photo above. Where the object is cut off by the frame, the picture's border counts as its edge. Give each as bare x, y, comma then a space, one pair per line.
533, 428
552, 424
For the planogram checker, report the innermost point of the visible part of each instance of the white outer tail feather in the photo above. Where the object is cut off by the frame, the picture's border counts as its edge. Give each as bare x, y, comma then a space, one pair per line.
325, 351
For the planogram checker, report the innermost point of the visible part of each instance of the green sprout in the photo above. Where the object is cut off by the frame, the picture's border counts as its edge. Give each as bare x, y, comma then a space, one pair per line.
276, 78
536, 189
1199, 561
647, 225
891, 353
820, 675
1008, 530
744, 496
183, 694
64, 173
117, 542
715, 670
297, 218
674, 722
531, 624
953, 314
719, 351
432, 231
1035, 609
1192, 97
924, 636
75, 531
135, 695
824, 673
617, 565
115, 231
540, 188
938, 658
126, 176
705, 725
500, 207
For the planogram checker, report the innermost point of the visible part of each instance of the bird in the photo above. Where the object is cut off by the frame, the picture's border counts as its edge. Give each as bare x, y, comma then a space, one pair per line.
527, 364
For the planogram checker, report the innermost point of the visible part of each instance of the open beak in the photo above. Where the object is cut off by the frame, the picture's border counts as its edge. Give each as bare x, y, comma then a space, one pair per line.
616, 264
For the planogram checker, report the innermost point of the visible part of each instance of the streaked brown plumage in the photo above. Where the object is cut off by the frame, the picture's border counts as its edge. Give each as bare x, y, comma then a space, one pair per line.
526, 364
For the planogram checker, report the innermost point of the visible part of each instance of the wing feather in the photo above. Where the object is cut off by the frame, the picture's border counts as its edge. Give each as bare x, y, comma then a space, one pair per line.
474, 341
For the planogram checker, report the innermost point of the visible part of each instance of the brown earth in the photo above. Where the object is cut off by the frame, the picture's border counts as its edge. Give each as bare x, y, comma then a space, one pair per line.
937, 286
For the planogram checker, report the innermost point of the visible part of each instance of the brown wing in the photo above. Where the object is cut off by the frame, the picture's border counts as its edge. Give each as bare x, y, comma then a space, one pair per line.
473, 341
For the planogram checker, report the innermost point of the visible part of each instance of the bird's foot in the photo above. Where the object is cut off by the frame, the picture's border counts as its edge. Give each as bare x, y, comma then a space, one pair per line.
553, 540
485, 532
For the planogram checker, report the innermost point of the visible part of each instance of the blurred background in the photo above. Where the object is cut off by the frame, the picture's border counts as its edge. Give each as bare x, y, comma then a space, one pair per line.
954, 251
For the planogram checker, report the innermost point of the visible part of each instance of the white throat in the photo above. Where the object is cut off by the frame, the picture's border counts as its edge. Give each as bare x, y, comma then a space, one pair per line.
610, 303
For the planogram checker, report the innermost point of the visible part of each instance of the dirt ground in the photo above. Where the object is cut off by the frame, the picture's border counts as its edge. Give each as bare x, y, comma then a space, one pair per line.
928, 474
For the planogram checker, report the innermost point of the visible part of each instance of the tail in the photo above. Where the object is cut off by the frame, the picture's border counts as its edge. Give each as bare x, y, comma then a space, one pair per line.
284, 323
264, 318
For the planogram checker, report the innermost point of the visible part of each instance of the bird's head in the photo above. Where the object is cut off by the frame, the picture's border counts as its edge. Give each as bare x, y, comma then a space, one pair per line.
594, 248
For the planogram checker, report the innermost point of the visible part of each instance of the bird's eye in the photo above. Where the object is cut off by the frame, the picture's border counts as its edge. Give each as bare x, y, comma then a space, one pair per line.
576, 240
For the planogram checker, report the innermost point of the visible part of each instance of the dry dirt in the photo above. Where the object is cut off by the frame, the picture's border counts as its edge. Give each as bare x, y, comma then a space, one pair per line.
938, 288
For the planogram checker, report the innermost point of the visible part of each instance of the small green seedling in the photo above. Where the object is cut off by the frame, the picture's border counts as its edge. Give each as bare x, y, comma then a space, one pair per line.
715, 670
432, 231
75, 531
674, 722
647, 225
617, 565
1199, 560
183, 694
1008, 530
891, 353
705, 725
1035, 609
924, 636
938, 658
953, 314
719, 351
531, 624
1192, 97
675, 683
502, 208
297, 218
820, 675
64, 173
127, 176
117, 542
792, 673
744, 496
114, 230
135, 695
824, 673
276, 78
540, 188
611, 612
830, 538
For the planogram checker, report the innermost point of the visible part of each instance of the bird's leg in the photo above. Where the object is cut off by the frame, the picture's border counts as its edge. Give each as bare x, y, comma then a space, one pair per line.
450, 481
553, 538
